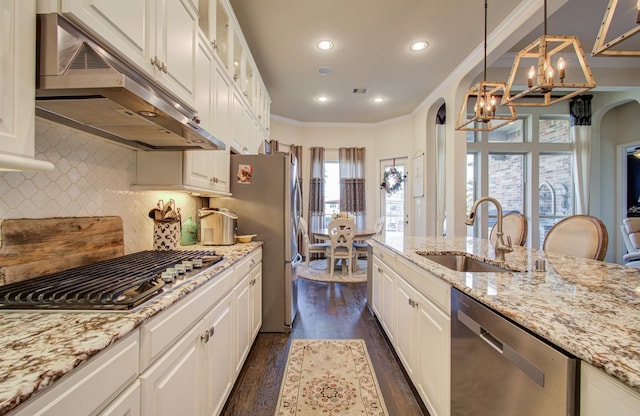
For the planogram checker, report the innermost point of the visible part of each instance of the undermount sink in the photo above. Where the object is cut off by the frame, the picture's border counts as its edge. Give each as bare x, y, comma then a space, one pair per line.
460, 263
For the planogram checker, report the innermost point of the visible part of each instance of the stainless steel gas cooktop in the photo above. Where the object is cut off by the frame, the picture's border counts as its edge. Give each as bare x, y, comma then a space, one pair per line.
121, 283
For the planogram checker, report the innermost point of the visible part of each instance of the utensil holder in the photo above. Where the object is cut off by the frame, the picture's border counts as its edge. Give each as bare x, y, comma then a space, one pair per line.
166, 235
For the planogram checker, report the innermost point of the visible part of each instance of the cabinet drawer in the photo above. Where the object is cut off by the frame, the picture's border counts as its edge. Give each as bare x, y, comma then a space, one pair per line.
160, 332
91, 386
430, 286
246, 265
385, 255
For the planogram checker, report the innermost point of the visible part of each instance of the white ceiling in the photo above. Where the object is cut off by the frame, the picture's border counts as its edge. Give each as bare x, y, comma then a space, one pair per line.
372, 40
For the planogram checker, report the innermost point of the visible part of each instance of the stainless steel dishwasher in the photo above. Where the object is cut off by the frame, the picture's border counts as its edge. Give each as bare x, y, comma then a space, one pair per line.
500, 369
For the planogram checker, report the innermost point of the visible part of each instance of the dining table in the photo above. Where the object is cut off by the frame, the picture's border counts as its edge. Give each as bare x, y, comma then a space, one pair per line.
360, 234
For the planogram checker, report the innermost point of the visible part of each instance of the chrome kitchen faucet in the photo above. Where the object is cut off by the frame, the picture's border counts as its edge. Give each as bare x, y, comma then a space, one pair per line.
500, 247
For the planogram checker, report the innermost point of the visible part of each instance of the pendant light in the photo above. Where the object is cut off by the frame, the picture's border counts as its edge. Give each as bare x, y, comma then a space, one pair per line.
549, 64
483, 101
600, 48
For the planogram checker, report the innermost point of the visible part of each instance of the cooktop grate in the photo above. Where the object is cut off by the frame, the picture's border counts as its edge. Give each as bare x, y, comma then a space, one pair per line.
119, 283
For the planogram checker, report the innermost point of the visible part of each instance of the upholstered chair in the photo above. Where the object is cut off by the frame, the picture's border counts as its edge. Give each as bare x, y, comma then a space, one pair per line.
578, 236
514, 225
630, 230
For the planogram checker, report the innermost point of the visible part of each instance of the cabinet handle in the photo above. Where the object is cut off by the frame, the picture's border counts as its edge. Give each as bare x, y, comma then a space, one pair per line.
196, 119
164, 68
252, 263
155, 61
413, 303
214, 44
208, 334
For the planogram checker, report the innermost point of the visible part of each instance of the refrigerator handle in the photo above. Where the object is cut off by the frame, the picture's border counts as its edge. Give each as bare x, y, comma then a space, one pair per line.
298, 213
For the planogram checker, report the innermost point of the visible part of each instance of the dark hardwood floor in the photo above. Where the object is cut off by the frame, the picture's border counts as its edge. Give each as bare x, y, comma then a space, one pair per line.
325, 310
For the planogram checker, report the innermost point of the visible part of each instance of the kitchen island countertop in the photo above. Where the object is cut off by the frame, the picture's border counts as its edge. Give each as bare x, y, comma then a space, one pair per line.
39, 348
589, 308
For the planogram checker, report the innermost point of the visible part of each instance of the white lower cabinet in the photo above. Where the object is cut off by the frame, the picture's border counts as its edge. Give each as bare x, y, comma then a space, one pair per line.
412, 307
195, 376
127, 404
217, 367
601, 394
384, 296
248, 299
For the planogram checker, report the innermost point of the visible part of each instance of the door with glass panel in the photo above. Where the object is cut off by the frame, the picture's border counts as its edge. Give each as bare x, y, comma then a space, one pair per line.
393, 198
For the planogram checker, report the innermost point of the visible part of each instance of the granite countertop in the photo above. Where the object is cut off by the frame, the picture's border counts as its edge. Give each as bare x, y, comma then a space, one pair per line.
38, 348
589, 308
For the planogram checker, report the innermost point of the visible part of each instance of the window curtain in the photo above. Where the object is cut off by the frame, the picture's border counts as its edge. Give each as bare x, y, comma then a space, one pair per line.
297, 152
352, 183
272, 147
580, 134
316, 192
441, 214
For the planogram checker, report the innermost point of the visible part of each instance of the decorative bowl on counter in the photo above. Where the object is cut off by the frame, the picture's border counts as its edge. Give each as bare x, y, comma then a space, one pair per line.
245, 238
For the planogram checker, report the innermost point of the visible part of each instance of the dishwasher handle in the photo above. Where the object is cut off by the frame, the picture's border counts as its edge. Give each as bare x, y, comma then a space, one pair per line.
526, 366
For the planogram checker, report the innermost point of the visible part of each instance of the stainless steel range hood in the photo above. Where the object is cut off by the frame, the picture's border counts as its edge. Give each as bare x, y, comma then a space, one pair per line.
83, 85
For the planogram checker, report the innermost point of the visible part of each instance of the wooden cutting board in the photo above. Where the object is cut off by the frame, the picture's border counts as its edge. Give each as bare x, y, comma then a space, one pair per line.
34, 247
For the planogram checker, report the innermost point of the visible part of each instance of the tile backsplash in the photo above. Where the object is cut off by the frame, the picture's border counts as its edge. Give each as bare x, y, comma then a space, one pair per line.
92, 177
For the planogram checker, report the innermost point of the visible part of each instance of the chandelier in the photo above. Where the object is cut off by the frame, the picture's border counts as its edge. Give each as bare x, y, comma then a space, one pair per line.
483, 101
604, 49
544, 64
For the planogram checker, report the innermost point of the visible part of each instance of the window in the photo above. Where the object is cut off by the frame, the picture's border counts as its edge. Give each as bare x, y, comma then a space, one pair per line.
555, 190
331, 189
527, 166
506, 184
554, 130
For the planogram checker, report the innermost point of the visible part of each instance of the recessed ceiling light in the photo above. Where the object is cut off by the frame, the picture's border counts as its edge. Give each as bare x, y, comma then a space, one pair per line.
378, 100
324, 70
325, 45
419, 46
323, 99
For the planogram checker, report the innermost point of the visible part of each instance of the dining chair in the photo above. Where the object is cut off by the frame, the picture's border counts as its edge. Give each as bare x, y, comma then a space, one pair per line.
578, 236
317, 248
514, 225
341, 232
362, 248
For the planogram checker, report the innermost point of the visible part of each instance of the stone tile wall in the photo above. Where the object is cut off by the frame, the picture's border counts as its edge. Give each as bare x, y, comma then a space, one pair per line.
92, 177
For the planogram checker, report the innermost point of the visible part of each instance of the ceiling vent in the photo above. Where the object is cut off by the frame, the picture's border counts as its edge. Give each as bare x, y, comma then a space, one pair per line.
359, 90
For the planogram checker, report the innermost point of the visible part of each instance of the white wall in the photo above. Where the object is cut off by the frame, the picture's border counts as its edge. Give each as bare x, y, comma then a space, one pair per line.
383, 140
619, 125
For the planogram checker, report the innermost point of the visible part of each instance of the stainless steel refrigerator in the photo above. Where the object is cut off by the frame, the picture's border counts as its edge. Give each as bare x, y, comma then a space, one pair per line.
266, 198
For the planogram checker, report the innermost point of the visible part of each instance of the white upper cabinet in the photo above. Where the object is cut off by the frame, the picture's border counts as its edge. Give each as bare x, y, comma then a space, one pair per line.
123, 24
173, 53
157, 36
17, 89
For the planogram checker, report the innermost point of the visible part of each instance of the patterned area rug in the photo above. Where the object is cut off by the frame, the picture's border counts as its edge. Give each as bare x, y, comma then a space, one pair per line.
318, 271
329, 377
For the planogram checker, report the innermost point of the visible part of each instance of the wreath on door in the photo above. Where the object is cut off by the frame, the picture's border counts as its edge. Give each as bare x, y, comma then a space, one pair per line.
392, 180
